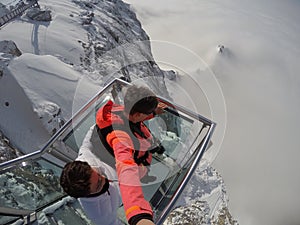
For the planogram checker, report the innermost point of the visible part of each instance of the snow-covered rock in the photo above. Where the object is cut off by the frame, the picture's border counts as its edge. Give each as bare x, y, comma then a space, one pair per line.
7, 152
39, 15
9, 47
204, 201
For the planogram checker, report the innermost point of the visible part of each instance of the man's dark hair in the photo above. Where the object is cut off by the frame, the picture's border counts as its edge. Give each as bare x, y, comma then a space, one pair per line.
139, 99
75, 179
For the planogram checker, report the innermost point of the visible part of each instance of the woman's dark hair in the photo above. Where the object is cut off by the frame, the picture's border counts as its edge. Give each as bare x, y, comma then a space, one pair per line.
139, 99
75, 179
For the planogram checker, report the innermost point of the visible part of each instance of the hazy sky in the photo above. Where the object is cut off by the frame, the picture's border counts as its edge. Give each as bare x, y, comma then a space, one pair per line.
259, 76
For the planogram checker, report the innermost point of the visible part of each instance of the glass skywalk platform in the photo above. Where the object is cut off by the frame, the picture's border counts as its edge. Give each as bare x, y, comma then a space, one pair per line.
30, 189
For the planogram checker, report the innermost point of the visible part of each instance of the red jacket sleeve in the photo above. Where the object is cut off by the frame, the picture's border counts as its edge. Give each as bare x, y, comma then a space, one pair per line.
129, 174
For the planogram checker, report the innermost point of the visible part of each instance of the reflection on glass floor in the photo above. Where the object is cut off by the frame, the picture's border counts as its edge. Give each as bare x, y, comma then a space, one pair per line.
32, 185
184, 134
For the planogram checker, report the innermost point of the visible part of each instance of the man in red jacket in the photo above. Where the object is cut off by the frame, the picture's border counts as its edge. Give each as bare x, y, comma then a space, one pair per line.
127, 138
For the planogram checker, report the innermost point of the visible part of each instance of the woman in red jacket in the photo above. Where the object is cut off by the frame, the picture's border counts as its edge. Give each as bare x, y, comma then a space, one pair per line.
128, 139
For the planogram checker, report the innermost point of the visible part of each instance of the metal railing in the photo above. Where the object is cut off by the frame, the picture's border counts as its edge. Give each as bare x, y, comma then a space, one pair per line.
200, 149
69, 123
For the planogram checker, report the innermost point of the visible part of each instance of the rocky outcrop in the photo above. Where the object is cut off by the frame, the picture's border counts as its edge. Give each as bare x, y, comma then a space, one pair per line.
39, 15
205, 201
7, 152
117, 45
9, 47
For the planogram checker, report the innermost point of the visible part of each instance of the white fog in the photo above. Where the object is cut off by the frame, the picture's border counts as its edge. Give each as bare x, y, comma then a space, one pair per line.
258, 72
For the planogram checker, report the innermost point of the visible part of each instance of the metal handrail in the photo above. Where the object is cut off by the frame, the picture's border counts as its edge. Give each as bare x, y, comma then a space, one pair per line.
202, 147
6, 211
20, 214
80, 112
188, 112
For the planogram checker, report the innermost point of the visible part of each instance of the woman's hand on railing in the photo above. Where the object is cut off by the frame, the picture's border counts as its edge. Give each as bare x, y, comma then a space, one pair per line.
160, 108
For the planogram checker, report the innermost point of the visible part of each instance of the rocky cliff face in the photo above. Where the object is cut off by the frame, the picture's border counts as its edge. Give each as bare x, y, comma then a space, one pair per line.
204, 201
116, 44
